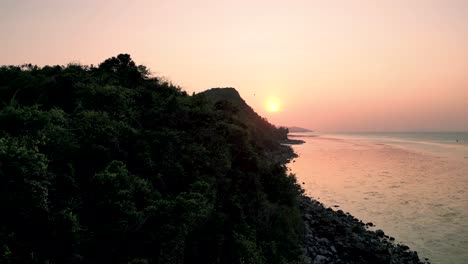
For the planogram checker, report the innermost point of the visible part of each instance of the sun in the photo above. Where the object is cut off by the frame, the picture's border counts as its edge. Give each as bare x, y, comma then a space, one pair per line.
273, 104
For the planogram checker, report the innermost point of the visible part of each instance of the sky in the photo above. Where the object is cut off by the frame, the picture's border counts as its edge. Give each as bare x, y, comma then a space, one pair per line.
334, 66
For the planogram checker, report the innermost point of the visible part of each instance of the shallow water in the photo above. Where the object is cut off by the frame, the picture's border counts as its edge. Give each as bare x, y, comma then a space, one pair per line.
415, 190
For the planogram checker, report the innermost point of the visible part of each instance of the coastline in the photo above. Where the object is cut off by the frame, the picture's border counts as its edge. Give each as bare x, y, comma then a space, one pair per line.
337, 237
413, 194
292, 142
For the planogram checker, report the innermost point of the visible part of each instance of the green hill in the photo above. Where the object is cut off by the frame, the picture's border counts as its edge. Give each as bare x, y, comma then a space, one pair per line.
261, 130
110, 165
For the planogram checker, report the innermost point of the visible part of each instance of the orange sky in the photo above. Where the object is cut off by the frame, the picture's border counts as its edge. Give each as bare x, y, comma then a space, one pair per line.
335, 65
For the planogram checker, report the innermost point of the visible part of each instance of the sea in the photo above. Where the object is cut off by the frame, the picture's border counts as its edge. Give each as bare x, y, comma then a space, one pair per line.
412, 185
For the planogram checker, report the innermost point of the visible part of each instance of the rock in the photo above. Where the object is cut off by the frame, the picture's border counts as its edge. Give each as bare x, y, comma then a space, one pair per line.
324, 252
337, 237
323, 241
404, 247
319, 259
380, 232
311, 250
357, 229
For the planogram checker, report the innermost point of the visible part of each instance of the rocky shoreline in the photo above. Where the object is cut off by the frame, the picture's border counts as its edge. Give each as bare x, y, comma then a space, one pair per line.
338, 237
292, 142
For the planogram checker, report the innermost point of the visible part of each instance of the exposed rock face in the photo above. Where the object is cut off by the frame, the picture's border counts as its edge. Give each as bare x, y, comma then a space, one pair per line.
336, 237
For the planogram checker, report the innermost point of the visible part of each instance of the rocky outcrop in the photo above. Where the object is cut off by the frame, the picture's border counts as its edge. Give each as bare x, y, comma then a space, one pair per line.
338, 237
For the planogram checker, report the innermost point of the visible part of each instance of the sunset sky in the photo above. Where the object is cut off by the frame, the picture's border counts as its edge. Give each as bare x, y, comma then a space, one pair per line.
362, 65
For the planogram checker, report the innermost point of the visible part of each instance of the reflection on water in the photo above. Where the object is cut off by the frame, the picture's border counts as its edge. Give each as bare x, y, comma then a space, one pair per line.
417, 194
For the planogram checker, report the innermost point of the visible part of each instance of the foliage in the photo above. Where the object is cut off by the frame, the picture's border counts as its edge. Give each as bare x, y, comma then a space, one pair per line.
109, 165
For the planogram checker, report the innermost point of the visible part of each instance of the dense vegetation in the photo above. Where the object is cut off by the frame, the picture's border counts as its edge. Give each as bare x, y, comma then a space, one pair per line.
109, 165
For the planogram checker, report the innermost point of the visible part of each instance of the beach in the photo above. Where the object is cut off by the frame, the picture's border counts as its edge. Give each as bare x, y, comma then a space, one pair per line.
415, 194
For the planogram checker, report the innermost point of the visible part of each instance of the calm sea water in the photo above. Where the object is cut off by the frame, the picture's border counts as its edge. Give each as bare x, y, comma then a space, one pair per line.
414, 186
442, 143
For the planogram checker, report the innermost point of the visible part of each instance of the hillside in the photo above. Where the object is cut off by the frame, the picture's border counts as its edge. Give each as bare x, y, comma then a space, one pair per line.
228, 94
110, 165
230, 100
261, 132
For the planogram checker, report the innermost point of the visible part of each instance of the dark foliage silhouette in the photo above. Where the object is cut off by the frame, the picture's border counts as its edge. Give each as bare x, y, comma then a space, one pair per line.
110, 165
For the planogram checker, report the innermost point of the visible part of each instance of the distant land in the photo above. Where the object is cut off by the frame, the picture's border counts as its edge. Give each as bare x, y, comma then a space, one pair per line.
299, 129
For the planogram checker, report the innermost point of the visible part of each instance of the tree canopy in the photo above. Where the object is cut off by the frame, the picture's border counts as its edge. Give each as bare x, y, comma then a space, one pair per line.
110, 165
